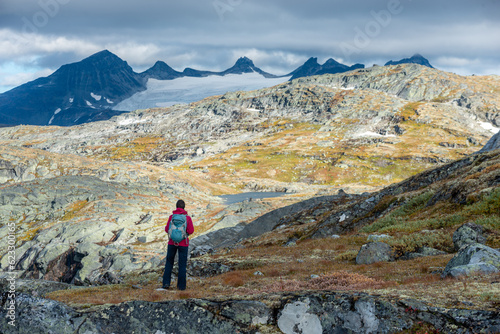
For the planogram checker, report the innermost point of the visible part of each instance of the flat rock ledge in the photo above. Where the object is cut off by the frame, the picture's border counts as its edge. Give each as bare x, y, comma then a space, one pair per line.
306, 312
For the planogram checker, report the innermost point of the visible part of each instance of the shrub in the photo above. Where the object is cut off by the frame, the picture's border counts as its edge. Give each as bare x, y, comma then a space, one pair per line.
441, 240
248, 264
400, 215
488, 205
234, 279
341, 280
347, 256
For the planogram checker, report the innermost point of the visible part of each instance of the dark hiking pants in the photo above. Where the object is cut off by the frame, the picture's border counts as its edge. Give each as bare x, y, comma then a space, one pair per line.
169, 265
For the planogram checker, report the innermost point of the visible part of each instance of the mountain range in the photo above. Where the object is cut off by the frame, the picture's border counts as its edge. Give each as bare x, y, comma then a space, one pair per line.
92, 89
415, 59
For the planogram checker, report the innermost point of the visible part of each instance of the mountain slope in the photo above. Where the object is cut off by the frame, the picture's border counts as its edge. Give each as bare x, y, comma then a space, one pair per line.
90, 90
75, 93
81, 92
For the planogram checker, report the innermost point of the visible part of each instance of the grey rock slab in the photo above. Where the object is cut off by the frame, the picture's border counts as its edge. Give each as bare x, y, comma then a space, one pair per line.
296, 318
19, 253
87, 275
28, 257
374, 252
247, 313
227, 221
145, 239
42, 316
89, 232
306, 312
36, 287
164, 317
472, 269
124, 263
86, 249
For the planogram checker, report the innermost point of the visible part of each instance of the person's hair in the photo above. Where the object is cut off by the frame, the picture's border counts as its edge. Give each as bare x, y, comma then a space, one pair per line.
180, 204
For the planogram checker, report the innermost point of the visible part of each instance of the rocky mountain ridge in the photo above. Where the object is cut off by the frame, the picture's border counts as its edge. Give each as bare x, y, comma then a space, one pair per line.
92, 89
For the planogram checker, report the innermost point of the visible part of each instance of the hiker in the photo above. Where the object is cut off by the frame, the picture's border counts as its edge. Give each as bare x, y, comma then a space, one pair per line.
181, 224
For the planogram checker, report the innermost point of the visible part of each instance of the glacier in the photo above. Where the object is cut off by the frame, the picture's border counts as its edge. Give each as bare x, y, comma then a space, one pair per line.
165, 93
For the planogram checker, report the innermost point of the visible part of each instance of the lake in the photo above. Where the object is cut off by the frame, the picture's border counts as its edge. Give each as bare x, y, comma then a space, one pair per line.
236, 198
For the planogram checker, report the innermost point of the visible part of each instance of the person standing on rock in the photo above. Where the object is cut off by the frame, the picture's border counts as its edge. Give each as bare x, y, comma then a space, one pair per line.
181, 222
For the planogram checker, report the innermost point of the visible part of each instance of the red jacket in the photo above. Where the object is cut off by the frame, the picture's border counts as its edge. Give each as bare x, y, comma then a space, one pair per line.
189, 227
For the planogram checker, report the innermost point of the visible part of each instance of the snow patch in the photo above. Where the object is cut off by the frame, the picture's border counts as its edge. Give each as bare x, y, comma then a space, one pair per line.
344, 88
58, 110
109, 101
371, 134
253, 109
129, 121
89, 104
71, 100
164, 93
489, 127
96, 97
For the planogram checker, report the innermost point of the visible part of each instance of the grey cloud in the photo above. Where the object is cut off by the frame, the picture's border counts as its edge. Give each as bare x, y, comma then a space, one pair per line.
281, 33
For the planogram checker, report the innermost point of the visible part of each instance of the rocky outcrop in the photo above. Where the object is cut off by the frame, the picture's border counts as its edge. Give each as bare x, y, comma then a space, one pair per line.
492, 144
473, 259
467, 234
81, 229
323, 312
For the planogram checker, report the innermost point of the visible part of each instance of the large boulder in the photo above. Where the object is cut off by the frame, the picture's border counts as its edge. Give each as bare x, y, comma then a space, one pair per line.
374, 252
473, 259
467, 234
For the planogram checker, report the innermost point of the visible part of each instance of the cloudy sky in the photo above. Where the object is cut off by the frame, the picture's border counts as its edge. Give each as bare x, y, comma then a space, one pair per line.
38, 36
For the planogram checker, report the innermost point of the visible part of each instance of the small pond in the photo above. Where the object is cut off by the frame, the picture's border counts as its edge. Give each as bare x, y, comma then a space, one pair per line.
236, 198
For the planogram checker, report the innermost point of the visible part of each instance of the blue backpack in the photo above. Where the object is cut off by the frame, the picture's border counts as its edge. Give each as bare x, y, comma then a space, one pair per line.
177, 230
